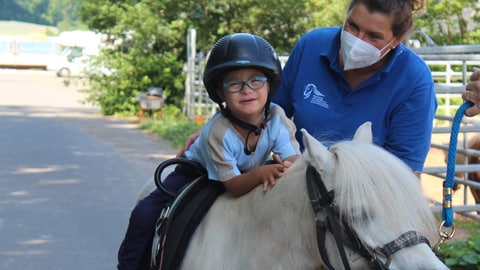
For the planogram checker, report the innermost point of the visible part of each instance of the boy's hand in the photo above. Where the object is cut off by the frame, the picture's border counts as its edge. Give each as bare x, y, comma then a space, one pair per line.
270, 174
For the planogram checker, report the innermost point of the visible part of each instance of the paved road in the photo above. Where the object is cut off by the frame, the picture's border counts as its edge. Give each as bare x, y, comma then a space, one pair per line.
68, 177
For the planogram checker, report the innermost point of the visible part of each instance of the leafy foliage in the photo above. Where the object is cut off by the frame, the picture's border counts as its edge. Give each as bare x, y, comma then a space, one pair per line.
148, 39
447, 21
59, 13
142, 52
173, 126
463, 255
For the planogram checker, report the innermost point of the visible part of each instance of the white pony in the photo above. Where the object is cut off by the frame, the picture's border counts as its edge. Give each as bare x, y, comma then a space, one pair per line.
377, 196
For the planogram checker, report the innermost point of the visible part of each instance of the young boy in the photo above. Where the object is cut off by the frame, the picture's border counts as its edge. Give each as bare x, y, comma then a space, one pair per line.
241, 75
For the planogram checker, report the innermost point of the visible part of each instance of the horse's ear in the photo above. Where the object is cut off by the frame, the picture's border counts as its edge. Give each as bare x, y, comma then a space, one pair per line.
364, 133
315, 152
309, 141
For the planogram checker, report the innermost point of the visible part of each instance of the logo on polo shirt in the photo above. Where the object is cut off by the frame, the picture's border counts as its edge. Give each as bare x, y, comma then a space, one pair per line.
317, 97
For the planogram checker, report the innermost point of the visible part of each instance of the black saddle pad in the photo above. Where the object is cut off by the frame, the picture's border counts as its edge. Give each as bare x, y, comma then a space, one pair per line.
174, 231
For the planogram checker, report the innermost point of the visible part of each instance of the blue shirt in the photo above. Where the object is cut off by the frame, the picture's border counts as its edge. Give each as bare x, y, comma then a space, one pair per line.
399, 99
220, 148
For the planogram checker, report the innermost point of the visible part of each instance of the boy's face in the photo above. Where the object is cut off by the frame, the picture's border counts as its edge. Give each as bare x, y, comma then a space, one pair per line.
245, 91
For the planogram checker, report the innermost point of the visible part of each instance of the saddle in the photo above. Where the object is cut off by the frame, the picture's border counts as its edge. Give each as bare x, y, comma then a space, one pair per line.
179, 220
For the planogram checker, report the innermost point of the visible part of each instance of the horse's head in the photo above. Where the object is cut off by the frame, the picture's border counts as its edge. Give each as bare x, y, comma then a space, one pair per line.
377, 198
324, 161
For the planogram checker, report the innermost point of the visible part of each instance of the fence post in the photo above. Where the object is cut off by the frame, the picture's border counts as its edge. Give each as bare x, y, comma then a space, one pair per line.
190, 70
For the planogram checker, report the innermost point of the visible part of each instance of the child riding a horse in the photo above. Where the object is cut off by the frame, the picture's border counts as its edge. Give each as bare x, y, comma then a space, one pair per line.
241, 75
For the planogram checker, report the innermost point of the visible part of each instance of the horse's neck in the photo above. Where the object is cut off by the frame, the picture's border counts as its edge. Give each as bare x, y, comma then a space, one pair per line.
272, 230
290, 191
286, 217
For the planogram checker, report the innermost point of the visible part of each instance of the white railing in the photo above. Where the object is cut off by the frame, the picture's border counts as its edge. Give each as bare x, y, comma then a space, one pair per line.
448, 88
468, 127
457, 62
451, 67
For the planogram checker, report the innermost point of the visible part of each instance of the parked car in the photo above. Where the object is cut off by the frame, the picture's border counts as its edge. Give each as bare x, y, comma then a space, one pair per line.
71, 63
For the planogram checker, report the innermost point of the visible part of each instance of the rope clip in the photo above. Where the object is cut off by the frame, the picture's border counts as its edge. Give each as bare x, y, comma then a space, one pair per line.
444, 235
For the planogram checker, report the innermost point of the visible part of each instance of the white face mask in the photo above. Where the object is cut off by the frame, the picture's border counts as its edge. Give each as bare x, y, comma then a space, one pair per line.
358, 53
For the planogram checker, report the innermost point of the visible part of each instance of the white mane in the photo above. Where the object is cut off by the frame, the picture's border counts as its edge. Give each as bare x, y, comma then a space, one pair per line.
373, 186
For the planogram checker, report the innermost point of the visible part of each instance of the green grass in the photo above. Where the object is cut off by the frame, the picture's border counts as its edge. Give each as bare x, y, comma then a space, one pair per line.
171, 125
25, 30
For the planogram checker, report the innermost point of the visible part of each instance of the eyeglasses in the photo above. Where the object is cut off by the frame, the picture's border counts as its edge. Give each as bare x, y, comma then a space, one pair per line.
254, 83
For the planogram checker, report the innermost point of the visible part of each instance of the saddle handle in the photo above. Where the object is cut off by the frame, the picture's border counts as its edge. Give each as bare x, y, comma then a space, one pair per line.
197, 168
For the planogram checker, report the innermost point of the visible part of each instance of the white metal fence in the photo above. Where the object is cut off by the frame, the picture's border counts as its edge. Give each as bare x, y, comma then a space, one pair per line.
451, 68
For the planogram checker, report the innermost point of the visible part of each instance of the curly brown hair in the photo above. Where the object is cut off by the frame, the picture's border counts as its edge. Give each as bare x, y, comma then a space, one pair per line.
400, 11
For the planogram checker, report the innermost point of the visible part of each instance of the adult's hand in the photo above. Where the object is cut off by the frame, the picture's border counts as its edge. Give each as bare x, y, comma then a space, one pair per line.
188, 142
472, 93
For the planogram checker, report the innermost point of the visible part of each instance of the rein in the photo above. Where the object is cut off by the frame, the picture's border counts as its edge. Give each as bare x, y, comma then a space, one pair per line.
322, 201
447, 210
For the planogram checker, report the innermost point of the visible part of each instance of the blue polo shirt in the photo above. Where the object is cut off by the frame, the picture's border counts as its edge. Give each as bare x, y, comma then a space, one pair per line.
399, 99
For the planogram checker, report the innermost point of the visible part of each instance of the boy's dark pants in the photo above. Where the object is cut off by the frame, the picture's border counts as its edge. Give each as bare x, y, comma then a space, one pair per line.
134, 252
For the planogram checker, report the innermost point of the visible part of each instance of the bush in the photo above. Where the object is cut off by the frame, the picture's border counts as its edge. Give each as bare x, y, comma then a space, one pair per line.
172, 126
463, 255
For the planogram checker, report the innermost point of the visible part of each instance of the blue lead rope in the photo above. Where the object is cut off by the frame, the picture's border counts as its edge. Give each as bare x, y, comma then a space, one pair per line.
447, 210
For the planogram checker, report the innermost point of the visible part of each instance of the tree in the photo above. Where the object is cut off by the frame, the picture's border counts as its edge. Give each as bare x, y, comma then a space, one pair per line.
446, 21
60, 13
63, 14
147, 38
142, 49
281, 22
153, 33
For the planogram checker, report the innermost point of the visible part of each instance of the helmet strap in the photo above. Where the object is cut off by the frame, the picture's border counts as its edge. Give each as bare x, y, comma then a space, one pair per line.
257, 130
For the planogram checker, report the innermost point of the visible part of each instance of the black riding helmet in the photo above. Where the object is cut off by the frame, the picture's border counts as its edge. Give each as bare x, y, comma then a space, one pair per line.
241, 50
238, 51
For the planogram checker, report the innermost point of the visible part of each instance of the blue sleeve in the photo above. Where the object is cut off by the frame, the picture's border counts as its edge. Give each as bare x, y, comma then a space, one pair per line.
286, 144
221, 162
283, 96
409, 135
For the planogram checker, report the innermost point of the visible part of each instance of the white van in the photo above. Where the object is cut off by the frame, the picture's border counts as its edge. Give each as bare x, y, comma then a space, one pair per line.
71, 63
